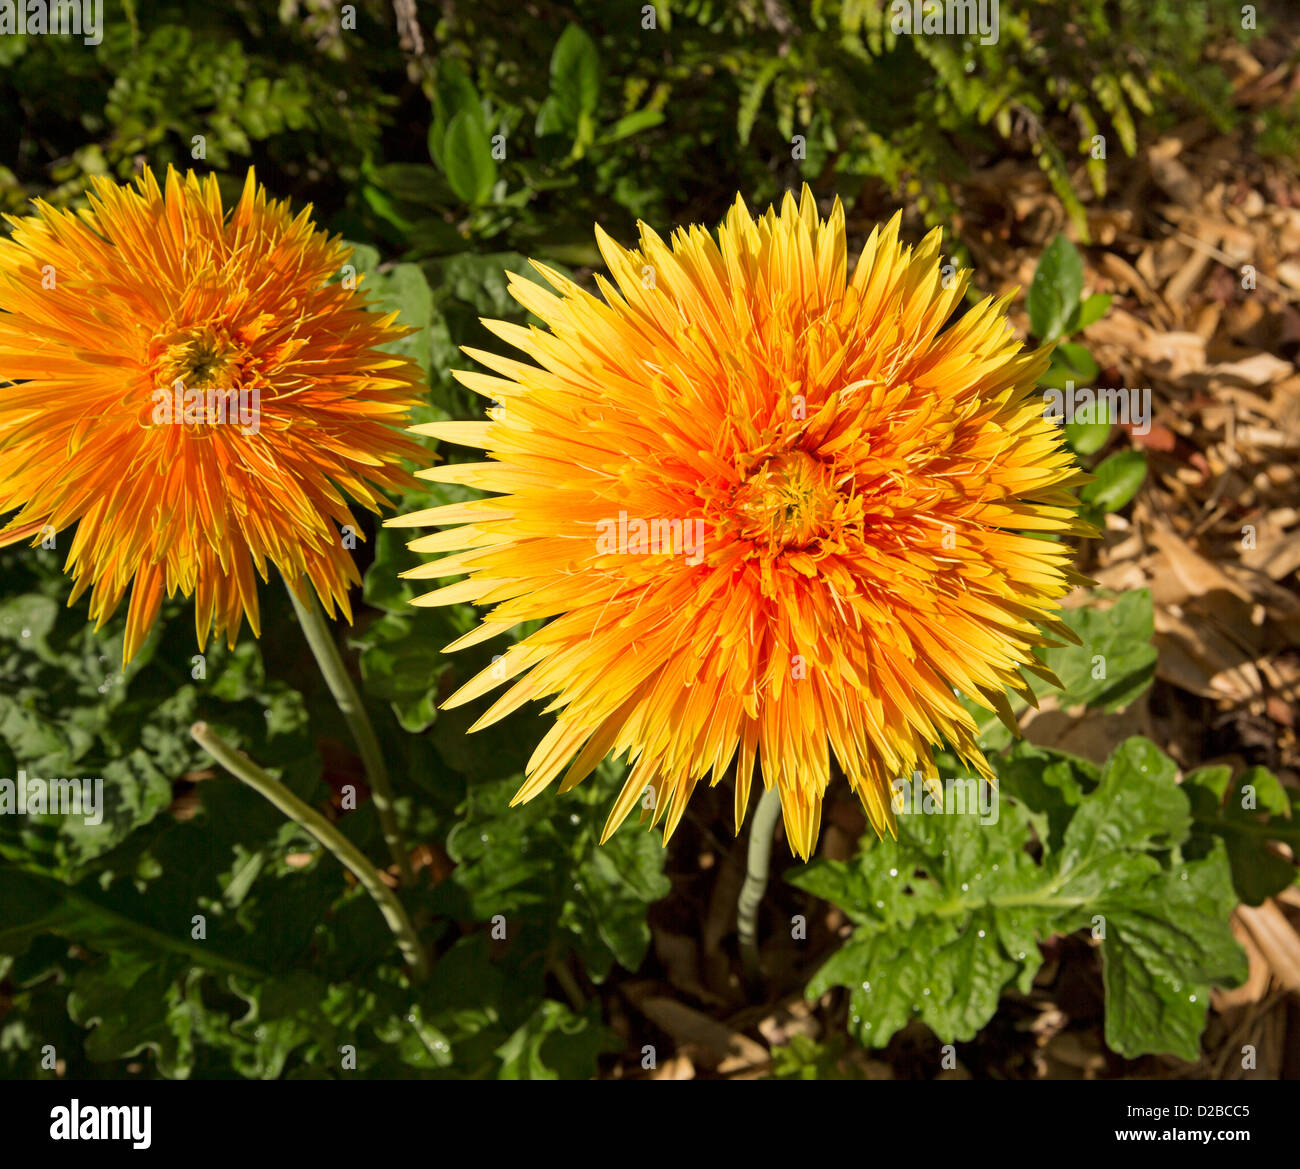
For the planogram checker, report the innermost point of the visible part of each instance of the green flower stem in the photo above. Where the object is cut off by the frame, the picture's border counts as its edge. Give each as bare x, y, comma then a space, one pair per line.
761, 832
243, 768
339, 681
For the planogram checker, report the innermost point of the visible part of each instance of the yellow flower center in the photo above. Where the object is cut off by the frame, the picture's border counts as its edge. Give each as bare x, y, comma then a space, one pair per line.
787, 501
200, 359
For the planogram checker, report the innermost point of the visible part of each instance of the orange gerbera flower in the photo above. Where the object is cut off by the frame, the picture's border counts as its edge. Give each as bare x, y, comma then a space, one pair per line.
770, 510
192, 393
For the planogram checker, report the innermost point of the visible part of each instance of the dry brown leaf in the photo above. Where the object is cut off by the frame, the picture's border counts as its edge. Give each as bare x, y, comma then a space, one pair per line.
1260, 369
1198, 657
1277, 940
1194, 572
1256, 985
679, 1067
1275, 555
709, 1039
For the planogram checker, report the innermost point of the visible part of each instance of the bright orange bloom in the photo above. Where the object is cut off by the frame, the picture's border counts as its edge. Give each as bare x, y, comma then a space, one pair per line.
192, 393
771, 511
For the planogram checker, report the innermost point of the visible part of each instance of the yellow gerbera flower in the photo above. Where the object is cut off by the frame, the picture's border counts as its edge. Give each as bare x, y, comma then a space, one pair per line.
770, 510
192, 393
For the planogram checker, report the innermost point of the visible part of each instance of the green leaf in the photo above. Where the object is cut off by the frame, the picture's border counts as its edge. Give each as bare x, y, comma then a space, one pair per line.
401, 663
131, 1003
1246, 814
631, 124
751, 97
1086, 438
555, 1044
549, 118
467, 159
404, 290
419, 185
1167, 943
1091, 310
951, 912
433, 235
803, 1058
453, 93
481, 281
1048, 783
1071, 362
121, 924
541, 865
925, 946
1072, 366
127, 729
1116, 661
575, 77
1136, 806
1118, 478
1054, 295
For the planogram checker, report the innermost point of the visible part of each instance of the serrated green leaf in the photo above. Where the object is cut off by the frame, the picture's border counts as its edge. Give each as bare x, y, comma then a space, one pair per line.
1246, 814
542, 864
952, 912
1116, 660
130, 1004
1166, 943
1048, 783
401, 663
1136, 807
404, 289
482, 281
555, 1044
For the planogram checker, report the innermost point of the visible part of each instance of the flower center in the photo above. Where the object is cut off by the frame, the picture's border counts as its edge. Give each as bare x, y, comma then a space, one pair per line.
787, 501
199, 360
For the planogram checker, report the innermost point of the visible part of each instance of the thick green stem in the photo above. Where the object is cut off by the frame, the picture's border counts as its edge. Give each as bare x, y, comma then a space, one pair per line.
761, 831
339, 681
243, 768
